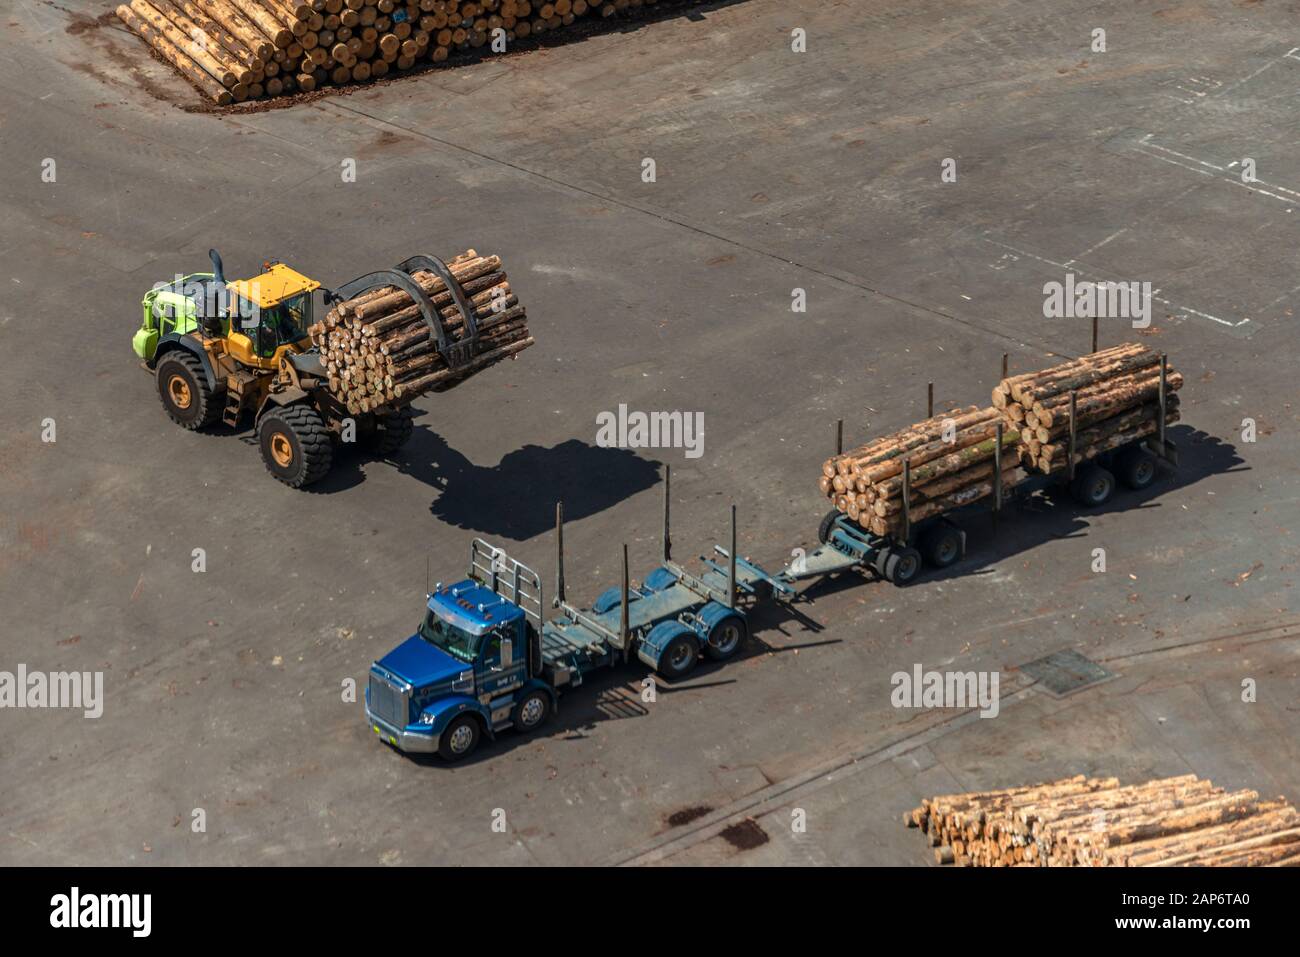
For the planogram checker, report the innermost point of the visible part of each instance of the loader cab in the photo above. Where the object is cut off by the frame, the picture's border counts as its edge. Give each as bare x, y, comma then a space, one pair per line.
270, 315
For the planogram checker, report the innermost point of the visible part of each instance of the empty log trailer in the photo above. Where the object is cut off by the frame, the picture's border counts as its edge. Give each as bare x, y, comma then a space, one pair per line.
484, 659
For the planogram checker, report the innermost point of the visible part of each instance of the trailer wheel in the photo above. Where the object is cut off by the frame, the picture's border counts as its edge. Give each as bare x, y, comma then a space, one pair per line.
532, 711
295, 445
941, 545
392, 432
726, 638
1136, 468
827, 525
183, 389
1093, 486
460, 739
678, 658
902, 565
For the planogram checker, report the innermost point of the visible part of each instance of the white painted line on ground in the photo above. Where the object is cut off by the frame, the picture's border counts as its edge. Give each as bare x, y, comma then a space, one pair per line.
1070, 266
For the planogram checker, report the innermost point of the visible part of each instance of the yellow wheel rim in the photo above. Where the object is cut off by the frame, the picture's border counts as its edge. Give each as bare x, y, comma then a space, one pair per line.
179, 390
281, 450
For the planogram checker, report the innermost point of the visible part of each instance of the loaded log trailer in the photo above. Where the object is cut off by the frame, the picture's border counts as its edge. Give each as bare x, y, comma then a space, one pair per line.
222, 350
1090, 460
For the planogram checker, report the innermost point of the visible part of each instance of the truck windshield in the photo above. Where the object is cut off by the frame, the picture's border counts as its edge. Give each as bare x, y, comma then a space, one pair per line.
455, 641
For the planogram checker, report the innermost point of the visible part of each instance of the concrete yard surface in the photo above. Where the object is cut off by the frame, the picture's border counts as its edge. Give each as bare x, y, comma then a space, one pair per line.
225, 691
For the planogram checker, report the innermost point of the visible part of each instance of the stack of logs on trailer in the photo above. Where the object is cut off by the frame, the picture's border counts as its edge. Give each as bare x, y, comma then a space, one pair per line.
378, 350
1093, 822
1112, 397
236, 50
950, 460
1116, 394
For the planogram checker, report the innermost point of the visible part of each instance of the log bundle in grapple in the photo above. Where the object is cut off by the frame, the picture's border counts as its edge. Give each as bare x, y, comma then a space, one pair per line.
949, 460
1094, 822
236, 50
1116, 402
379, 350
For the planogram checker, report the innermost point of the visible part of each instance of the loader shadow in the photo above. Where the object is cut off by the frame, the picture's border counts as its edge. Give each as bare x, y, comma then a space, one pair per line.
1053, 514
515, 499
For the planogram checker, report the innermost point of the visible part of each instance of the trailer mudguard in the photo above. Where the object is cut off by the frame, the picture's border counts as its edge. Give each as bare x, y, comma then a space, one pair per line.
712, 613
173, 341
659, 579
610, 598
651, 648
444, 710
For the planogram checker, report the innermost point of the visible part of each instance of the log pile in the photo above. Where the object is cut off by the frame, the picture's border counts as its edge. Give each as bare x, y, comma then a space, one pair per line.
379, 353
236, 50
1116, 402
1094, 822
952, 464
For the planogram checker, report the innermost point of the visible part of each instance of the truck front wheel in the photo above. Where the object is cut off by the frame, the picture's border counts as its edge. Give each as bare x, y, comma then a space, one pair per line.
532, 711
460, 739
295, 445
183, 389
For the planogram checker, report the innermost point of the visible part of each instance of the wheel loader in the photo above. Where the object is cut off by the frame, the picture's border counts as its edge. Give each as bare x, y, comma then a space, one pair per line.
222, 351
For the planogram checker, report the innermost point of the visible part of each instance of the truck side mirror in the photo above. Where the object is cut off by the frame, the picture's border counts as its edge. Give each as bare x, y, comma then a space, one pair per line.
507, 652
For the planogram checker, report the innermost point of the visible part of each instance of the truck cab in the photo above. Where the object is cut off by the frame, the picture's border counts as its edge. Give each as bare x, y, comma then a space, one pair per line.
472, 667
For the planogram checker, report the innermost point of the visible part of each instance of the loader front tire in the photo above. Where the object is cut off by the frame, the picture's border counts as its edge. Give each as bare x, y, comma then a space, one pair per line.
392, 432
183, 389
295, 445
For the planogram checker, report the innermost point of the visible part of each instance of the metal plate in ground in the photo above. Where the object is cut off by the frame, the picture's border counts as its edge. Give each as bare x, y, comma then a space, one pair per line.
1065, 672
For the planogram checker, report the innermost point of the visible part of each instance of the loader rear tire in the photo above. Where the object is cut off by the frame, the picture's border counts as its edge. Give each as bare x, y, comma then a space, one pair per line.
392, 432
295, 445
183, 389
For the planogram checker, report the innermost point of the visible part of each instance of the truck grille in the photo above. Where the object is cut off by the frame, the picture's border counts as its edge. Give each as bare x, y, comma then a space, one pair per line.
388, 703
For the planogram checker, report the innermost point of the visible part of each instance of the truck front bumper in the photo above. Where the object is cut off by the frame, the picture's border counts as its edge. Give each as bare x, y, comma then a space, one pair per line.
410, 741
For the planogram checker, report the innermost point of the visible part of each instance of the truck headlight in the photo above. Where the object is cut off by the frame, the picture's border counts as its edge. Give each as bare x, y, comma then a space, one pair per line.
426, 718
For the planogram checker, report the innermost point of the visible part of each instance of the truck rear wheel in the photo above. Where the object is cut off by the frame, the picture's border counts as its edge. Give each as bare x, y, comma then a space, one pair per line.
827, 525
678, 658
1093, 486
392, 431
295, 445
1136, 468
183, 389
726, 638
532, 711
941, 545
902, 565
460, 739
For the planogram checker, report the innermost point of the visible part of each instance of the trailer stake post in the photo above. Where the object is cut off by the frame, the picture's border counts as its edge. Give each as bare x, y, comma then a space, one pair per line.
839, 437
1074, 402
997, 477
1094, 334
1164, 399
559, 555
907, 501
1004, 365
623, 628
731, 563
668, 539
929, 401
